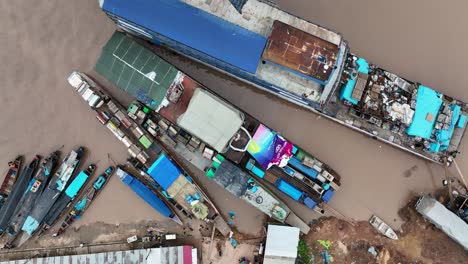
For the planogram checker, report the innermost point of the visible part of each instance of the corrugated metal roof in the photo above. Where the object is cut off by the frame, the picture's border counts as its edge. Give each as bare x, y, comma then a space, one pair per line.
210, 119
136, 70
282, 242
194, 28
301, 51
448, 222
167, 255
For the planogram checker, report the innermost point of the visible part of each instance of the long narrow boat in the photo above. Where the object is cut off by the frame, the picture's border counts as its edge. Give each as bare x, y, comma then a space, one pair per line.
142, 147
8, 209
10, 179
147, 195
67, 197
35, 189
51, 194
382, 227
302, 62
144, 136
188, 113
82, 204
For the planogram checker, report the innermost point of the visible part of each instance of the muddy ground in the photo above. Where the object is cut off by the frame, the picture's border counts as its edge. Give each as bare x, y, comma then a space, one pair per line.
419, 242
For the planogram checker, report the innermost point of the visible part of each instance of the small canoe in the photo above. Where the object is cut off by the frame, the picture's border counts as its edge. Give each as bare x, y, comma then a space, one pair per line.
382, 227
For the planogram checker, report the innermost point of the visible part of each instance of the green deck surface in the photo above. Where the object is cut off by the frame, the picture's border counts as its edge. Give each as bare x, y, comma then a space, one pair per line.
136, 70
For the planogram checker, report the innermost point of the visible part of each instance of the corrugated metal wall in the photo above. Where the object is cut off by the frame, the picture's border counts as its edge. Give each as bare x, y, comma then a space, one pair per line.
167, 255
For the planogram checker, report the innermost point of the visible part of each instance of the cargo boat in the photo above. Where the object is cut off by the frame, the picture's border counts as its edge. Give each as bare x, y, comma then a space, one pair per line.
67, 197
35, 189
50, 195
140, 146
82, 204
8, 209
187, 114
10, 179
304, 63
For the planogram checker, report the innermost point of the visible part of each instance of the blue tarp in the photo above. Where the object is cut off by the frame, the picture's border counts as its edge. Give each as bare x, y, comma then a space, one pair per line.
309, 172
444, 136
461, 121
347, 90
328, 195
194, 28
288, 189
309, 202
428, 102
146, 194
164, 172
30, 225
76, 184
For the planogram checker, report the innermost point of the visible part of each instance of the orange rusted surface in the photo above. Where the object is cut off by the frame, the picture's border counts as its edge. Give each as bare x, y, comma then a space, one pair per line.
300, 51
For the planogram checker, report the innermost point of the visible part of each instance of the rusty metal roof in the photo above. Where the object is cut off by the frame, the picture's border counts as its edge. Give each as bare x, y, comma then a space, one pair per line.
301, 52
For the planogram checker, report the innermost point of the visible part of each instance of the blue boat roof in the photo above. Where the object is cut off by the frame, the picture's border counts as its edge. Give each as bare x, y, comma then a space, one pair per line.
76, 185
146, 194
288, 189
194, 28
164, 172
428, 102
347, 90
297, 164
30, 225
328, 195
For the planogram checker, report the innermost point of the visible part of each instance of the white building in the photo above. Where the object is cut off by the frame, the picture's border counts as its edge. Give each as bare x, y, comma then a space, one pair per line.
281, 245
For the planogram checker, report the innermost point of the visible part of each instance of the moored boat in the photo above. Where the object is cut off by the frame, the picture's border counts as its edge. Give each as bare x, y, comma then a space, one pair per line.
67, 197
147, 195
8, 209
85, 201
50, 195
382, 227
142, 147
304, 63
184, 112
10, 179
36, 187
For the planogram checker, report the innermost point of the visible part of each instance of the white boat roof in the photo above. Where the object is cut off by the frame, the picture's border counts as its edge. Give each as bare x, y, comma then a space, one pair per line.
281, 244
211, 119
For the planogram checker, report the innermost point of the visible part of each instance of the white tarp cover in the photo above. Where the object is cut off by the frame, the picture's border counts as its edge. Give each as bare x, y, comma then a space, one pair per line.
281, 244
210, 119
448, 222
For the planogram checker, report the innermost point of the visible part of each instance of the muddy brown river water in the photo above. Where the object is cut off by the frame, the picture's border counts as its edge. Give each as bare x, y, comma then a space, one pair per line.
421, 40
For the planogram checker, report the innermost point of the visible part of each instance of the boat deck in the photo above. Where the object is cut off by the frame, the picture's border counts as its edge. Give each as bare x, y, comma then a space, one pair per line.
174, 110
300, 52
240, 184
146, 151
258, 17
136, 70
385, 107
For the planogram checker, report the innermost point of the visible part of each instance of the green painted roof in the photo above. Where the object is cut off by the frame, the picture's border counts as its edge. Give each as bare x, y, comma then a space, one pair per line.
145, 142
135, 69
